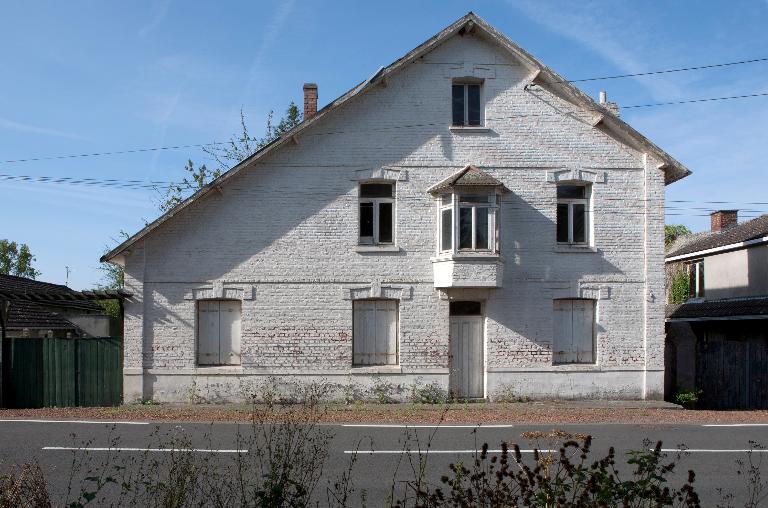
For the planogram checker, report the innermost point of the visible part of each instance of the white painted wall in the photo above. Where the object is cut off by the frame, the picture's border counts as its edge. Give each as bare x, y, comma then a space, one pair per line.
282, 236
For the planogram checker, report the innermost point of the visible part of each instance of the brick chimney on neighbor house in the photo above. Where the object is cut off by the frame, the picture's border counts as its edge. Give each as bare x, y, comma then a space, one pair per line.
723, 219
310, 100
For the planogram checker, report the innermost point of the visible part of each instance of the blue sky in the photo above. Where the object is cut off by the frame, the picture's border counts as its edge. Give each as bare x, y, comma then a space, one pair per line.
84, 77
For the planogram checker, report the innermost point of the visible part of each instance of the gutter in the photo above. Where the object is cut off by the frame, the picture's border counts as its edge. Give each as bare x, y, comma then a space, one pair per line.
715, 250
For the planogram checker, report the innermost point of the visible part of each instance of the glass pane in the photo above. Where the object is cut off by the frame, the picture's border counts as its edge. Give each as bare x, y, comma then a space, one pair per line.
465, 309
473, 104
366, 219
458, 104
579, 224
446, 199
385, 222
465, 228
700, 286
446, 228
481, 228
474, 198
692, 280
562, 223
376, 190
571, 191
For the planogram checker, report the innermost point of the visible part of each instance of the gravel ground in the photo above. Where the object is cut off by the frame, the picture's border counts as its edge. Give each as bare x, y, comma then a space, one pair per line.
524, 412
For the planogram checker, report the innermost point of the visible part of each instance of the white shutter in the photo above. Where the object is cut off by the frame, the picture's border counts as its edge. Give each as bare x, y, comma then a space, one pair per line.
229, 332
583, 330
364, 333
562, 341
208, 332
386, 332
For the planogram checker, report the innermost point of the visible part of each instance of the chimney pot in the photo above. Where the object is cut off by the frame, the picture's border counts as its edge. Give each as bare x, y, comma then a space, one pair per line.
723, 219
310, 100
603, 97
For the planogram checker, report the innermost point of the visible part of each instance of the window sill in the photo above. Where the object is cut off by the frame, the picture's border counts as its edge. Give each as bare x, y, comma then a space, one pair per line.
479, 255
376, 248
377, 369
582, 249
469, 128
218, 369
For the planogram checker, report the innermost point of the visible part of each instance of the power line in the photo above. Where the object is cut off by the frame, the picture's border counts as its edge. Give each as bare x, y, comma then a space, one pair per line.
666, 71
696, 100
119, 152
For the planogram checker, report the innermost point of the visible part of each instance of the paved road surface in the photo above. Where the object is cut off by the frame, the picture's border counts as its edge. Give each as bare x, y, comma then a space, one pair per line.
712, 454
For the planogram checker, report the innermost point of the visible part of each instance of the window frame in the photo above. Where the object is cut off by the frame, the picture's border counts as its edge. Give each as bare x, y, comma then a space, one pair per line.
570, 203
375, 203
465, 84
396, 352
456, 205
696, 279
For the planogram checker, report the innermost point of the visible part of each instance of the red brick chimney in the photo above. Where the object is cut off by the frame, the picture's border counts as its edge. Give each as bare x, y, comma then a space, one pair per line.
723, 219
310, 100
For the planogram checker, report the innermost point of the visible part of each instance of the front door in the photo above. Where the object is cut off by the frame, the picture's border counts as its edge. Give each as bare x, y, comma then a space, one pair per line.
466, 356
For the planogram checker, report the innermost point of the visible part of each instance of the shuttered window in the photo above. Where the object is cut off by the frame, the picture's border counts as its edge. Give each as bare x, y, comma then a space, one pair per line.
374, 334
574, 331
218, 332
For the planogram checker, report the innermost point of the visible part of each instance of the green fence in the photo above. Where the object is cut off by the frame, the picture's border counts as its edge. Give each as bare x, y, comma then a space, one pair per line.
45, 372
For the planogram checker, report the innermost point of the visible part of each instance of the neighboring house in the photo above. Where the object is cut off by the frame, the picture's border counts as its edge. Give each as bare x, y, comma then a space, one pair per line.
60, 316
464, 217
717, 341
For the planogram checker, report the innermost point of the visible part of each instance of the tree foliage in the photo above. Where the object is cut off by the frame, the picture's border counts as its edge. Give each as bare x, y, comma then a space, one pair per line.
237, 149
16, 259
674, 231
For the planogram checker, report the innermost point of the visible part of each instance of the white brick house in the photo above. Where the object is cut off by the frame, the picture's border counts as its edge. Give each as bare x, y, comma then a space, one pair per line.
462, 217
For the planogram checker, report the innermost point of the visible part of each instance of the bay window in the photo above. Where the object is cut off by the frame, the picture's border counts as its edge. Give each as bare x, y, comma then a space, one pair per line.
468, 222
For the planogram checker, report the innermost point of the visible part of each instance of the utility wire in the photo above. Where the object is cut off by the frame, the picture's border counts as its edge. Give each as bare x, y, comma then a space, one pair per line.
666, 71
696, 100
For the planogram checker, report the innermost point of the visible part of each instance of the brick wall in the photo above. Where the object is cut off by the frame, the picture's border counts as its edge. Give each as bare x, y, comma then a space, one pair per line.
286, 227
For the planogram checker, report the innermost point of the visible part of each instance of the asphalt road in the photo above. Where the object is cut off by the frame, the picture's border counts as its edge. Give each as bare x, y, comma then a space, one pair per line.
712, 452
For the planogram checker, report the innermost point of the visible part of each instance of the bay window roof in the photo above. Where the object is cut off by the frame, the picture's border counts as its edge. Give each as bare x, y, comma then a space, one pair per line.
470, 176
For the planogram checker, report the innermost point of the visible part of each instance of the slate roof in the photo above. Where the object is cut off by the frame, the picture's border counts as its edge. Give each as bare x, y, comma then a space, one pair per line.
14, 284
718, 309
544, 77
749, 230
469, 176
23, 314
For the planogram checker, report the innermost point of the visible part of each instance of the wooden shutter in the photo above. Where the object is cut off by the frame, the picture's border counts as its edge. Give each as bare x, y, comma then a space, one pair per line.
583, 330
208, 332
375, 332
562, 340
364, 333
573, 331
386, 332
229, 332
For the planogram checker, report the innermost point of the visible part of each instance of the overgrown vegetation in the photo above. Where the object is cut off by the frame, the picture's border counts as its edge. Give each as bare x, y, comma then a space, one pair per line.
679, 287
674, 231
688, 398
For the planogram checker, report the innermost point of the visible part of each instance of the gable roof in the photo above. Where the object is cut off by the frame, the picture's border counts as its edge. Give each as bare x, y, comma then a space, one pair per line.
469, 23
470, 176
60, 295
735, 236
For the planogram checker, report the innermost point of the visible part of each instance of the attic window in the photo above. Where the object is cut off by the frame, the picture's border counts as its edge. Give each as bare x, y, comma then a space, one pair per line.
465, 104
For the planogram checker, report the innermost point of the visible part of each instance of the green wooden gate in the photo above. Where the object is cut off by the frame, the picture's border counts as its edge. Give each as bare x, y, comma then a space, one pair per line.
46, 372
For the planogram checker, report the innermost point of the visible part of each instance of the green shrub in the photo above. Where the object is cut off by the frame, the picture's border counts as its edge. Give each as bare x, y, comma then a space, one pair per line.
688, 399
679, 287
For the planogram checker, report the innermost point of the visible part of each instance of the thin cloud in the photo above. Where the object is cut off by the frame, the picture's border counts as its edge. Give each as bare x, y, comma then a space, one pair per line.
23, 127
159, 12
613, 39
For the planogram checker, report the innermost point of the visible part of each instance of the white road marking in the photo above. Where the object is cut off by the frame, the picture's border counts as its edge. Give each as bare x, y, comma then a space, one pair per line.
423, 426
705, 450
425, 452
124, 449
736, 425
17, 420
